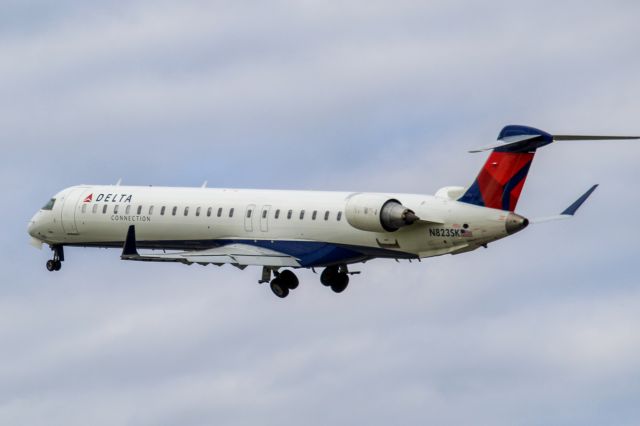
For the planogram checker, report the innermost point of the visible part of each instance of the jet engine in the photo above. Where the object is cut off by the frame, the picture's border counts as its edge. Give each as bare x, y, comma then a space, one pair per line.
378, 213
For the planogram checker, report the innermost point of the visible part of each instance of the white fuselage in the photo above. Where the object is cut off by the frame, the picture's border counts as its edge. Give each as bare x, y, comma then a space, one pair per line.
309, 225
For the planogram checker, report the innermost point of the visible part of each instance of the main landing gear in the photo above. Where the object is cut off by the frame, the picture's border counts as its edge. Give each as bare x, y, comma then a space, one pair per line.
336, 277
283, 282
58, 257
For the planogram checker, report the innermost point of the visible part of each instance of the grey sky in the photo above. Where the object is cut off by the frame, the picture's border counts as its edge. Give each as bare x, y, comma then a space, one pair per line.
539, 329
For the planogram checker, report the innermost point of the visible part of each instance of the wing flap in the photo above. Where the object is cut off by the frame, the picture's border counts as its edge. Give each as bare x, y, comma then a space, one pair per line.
234, 254
240, 254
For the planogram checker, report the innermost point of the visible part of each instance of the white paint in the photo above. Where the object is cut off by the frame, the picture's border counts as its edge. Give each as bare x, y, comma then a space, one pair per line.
105, 218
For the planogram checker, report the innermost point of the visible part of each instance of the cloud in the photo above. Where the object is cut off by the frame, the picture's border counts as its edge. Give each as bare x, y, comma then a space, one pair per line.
362, 96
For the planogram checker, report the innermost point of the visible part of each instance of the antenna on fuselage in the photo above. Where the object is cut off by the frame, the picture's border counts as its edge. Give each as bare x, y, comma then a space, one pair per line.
119, 182
204, 184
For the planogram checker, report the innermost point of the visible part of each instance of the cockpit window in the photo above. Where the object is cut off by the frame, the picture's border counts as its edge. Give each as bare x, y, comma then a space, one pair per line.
49, 205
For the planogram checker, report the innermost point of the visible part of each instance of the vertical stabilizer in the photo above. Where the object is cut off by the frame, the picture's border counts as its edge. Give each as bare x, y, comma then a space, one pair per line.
500, 182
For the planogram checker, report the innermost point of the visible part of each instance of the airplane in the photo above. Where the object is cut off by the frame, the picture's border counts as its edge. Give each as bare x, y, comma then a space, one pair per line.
282, 231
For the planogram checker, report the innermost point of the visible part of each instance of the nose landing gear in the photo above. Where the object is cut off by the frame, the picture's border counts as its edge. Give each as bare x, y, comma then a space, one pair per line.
58, 257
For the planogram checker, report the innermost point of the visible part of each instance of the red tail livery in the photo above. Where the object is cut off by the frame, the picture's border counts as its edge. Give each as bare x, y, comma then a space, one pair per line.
502, 177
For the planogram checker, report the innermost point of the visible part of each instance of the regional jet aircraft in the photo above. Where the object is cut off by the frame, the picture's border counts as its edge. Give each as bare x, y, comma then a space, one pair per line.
282, 231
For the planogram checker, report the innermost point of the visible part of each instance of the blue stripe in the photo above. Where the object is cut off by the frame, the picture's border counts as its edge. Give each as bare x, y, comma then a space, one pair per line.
309, 253
513, 182
473, 195
316, 253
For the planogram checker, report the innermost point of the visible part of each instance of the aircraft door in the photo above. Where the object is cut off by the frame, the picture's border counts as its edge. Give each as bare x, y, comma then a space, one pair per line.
69, 209
264, 218
248, 218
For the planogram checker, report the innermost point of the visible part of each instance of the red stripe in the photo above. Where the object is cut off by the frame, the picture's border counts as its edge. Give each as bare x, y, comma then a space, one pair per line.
499, 169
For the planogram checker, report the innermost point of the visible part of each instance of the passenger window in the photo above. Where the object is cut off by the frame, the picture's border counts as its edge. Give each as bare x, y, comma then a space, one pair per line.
277, 215
289, 213
209, 211
162, 211
151, 210
314, 214
326, 215
104, 209
95, 208
186, 211
115, 209
198, 211
84, 208
219, 211
339, 216
301, 214
127, 210
49, 205
231, 212
174, 211
264, 214
249, 213
140, 209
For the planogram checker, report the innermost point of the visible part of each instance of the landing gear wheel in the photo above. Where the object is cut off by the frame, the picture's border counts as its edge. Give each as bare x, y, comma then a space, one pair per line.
289, 279
279, 288
340, 284
58, 256
329, 275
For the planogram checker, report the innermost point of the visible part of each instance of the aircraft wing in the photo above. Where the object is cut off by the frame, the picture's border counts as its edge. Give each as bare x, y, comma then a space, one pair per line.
570, 211
235, 254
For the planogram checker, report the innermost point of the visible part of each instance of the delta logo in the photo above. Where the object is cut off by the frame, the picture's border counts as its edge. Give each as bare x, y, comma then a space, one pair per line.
106, 198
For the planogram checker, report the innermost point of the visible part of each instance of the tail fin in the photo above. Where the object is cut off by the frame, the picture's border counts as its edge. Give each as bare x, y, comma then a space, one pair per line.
502, 177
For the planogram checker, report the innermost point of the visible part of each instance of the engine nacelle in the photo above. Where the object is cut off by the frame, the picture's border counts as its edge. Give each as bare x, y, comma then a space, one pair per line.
377, 213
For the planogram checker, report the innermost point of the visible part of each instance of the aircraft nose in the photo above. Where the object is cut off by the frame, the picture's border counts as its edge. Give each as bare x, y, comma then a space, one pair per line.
32, 227
515, 223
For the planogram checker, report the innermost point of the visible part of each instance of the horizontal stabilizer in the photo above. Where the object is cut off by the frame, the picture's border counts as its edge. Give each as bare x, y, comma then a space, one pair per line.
569, 211
513, 142
592, 138
519, 139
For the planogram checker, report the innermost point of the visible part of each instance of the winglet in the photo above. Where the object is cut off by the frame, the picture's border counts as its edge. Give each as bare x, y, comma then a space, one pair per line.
573, 208
129, 248
569, 211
